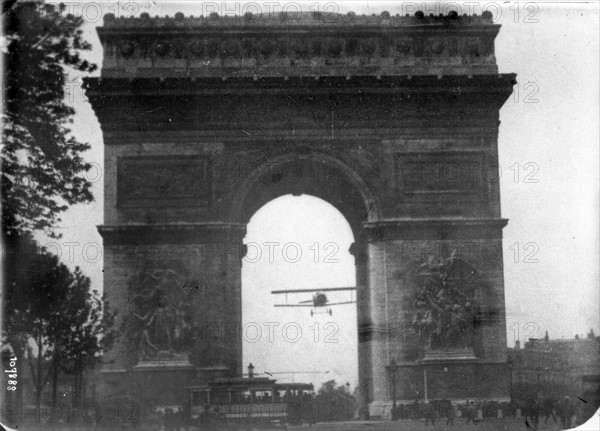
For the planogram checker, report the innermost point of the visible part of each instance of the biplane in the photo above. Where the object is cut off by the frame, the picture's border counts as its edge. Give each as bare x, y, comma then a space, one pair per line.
319, 299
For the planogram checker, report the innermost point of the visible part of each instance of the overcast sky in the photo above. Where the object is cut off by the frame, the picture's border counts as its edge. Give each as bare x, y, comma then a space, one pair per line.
553, 48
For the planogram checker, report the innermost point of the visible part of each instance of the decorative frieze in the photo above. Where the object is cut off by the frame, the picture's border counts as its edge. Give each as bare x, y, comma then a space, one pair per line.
299, 47
304, 46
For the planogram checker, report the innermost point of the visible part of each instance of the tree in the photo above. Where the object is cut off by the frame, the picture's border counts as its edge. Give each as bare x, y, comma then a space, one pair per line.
335, 402
52, 319
35, 286
79, 339
42, 168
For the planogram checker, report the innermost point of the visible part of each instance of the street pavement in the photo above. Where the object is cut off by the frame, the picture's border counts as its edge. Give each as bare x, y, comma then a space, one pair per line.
460, 424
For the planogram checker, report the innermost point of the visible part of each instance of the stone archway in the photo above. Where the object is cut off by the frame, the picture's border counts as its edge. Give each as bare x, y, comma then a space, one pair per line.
330, 179
396, 125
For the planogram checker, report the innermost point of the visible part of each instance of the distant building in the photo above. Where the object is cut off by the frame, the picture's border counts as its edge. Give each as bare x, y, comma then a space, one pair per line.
553, 368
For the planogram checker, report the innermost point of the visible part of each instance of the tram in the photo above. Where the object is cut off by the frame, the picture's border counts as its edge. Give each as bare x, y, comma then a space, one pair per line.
228, 403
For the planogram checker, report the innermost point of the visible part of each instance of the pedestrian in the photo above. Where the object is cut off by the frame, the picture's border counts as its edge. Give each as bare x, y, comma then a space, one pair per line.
187, 416
416, 410
549, 409
311, 410
533, 411
450, 414
470, 412
578, 416
181, 420
169, 419
566, 412
429, 414
161, 419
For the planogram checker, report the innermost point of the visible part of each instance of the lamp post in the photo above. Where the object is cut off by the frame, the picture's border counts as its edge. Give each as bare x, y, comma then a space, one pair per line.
393, 367
425, 395
511, 364
251, 376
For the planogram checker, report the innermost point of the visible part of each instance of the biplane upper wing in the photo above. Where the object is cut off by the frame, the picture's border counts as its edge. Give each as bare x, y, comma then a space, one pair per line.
325, 289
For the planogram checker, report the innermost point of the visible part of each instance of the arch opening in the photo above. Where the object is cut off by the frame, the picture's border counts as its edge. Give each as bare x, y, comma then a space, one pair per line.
299, 242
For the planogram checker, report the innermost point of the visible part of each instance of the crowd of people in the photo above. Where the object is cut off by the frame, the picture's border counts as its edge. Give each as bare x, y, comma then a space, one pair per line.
563, 410
436, 410
551, 408
301, 410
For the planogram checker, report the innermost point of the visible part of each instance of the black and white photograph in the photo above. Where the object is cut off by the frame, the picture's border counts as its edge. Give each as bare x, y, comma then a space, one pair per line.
289, 215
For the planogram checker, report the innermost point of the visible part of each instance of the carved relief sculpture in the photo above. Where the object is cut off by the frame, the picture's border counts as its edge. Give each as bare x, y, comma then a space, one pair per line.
160, 319
446, 301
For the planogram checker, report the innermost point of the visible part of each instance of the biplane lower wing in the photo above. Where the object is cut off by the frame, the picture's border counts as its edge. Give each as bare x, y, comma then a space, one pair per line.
294, 305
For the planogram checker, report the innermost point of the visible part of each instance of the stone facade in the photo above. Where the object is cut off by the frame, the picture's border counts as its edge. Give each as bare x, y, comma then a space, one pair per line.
394, 121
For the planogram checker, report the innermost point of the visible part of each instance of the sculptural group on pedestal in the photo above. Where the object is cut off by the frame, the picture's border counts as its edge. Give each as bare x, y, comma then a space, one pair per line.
446, 300
160, 317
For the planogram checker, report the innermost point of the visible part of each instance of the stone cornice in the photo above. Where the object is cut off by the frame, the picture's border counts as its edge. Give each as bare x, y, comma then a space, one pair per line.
191, 233
434, 229
452, 85
388, 103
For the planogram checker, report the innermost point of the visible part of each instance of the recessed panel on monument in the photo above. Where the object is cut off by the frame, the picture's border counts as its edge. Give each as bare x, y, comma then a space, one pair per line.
168, 181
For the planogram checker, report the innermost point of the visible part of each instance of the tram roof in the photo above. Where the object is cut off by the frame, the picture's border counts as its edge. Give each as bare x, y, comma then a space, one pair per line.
255, 383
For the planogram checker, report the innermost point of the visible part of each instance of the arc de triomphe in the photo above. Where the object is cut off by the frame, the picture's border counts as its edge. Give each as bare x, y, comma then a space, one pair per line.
392, 120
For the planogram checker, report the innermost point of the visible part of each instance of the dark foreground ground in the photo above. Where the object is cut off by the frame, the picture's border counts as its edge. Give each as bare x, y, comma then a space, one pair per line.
508, 424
